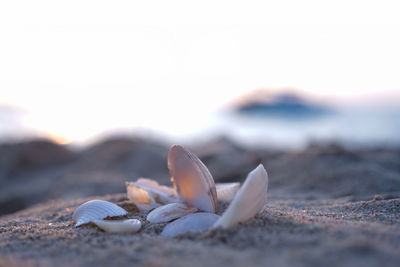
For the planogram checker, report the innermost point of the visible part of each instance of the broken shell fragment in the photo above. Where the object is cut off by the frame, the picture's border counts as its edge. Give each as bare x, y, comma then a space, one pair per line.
120, 226
170, 212
96, 210
162, 194
143, 199
226, 191
148, 194
192, 179
249, 199
192, 222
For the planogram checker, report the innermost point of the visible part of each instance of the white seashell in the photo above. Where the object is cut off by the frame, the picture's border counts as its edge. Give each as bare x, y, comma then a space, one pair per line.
162, 194
249, 199
148, 194
192, 222
143, 199
170, 212
193, 180
226, 191
96, 210
120, 226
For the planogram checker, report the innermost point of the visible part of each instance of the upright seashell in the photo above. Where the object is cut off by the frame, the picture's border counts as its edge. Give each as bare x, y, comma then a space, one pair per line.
192, 222
120, 226
170, 212
96, 210
249, 199
193, 181
226, 191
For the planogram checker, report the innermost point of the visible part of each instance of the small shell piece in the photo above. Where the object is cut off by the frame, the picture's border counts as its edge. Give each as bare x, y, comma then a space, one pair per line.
249, 199
170, 212
226, 191
96, 210
163, 194
192, 179
148, 194
119, 226
142, 198
192, 222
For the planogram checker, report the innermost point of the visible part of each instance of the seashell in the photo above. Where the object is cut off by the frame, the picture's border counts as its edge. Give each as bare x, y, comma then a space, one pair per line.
148, 194
143, 199
192, 179
120, 226
226, 191
192, 222
170, 212
162, 194
249, 199
94, 210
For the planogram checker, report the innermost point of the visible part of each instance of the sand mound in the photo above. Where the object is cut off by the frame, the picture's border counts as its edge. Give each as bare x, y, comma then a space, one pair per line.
334, 171
323, 171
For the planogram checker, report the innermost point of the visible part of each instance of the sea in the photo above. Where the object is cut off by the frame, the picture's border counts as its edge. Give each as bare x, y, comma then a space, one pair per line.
372, 127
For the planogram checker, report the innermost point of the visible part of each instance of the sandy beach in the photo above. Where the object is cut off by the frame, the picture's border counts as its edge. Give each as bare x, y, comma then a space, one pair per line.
327, 206
272, 126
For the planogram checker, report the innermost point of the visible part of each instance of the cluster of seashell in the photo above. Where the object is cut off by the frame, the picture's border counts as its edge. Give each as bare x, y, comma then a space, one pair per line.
190, 205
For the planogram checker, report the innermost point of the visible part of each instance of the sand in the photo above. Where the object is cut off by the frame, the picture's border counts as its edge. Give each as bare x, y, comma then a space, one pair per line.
287, 233
327, 206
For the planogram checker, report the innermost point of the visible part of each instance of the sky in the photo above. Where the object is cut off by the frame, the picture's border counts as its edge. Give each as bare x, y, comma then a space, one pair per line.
81, 67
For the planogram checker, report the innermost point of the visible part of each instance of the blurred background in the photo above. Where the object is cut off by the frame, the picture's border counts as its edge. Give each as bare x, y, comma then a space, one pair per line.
104, 88
74, 72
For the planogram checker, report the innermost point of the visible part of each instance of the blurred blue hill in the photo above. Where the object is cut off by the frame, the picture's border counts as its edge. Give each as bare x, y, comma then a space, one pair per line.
285, 105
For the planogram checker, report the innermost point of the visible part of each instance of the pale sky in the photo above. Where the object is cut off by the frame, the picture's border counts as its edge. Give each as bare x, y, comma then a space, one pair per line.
80, 67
